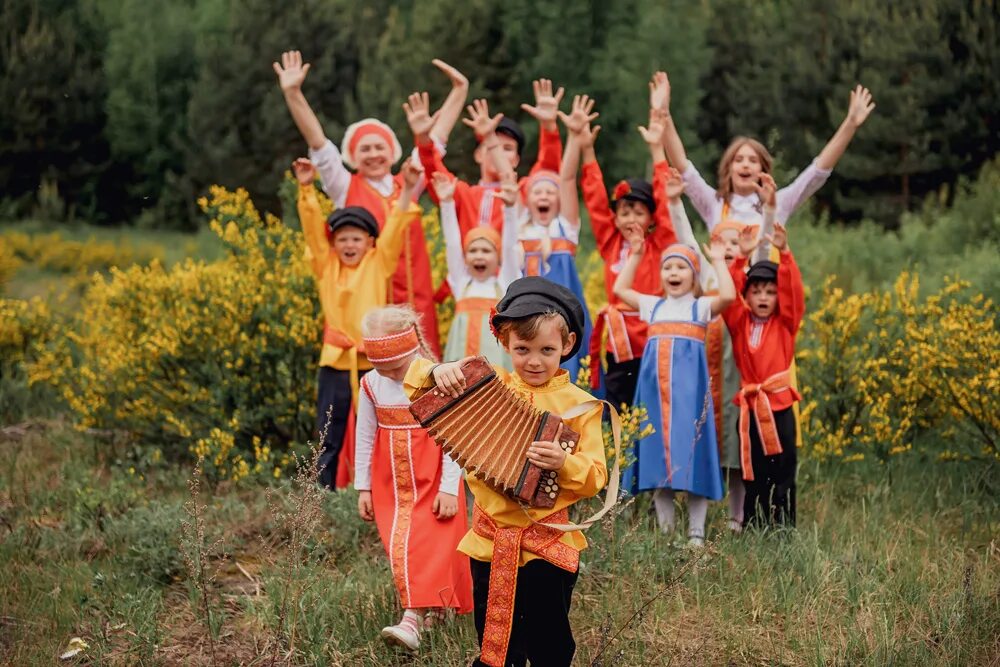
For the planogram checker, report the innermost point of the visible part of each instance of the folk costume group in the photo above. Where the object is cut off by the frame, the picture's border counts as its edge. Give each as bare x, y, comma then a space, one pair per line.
702, 337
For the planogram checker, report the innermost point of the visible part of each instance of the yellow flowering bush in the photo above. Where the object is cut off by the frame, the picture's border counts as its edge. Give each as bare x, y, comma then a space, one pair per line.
201, 358
885, 371
9, 264
55, 253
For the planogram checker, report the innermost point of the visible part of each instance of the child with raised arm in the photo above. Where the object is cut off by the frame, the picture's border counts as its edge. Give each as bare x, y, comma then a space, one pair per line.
478, 205
549, 232
763, 323
524, 571
352, 276
674, 385
370, 148
481, 264
736, 196
406, 485
718, 345
636, 214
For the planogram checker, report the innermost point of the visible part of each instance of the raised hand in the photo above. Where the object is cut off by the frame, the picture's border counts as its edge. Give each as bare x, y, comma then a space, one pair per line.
305, 172
747, 240
479, 118
588, 135
546, 103
653, 134
508, 189
675, 185
767, 190
457, 79
716, 252
411, 171
444, 186
418, 114
861, 106
659, 92
778, 239
291, 72
580, 116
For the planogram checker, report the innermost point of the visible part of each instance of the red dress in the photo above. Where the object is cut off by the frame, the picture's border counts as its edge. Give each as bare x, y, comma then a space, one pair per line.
405, 476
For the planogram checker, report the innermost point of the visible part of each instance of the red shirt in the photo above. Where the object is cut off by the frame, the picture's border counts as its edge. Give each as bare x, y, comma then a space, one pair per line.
615, 251
411, 283
478, 205
762, 348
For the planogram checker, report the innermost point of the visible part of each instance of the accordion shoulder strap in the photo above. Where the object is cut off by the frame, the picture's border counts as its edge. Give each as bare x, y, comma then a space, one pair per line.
614, 478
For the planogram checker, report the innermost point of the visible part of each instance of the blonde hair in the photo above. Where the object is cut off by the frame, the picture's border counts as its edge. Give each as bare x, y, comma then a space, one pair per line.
725, 182
389, 320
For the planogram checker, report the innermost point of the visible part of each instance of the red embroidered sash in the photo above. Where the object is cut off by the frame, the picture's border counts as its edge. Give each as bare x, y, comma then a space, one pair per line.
508, 542
678, 330
755, 397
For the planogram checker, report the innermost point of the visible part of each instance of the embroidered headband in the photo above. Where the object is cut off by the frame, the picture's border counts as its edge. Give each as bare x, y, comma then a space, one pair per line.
683, 252
386, 349
542, 176
485, 233
363, 128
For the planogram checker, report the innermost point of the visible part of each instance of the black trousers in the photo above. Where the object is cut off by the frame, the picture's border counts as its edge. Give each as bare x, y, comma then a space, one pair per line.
620, 380
540, 632
335, 397
770, 498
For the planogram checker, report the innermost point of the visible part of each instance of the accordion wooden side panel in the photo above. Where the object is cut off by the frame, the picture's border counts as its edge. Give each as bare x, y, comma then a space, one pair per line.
488, 430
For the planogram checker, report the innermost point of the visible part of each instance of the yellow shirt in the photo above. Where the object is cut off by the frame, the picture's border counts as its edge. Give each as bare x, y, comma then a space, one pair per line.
346, 293
583, 474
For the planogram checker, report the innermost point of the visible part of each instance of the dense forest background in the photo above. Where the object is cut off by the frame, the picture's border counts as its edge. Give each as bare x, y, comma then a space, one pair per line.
126, 110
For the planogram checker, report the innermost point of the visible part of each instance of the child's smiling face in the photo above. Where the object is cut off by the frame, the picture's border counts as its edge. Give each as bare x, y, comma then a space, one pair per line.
677, 276
536, 360
762, 298
351, 244
632, 219
730, 240
373, 157
482, 259
543, 202
746, 170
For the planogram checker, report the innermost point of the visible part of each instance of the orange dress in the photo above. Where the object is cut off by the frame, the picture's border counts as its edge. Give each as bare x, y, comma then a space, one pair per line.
405, 470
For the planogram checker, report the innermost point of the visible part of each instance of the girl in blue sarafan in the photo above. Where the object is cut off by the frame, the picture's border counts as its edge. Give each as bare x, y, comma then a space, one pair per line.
674, 386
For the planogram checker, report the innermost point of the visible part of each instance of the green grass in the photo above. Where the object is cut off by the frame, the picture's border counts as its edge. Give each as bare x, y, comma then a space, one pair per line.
895, 564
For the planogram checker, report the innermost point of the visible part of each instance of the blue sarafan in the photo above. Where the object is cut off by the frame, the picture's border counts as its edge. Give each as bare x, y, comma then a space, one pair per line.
682, 452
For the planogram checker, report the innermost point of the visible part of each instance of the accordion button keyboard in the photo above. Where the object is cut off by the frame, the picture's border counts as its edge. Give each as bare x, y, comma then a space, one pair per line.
552, 494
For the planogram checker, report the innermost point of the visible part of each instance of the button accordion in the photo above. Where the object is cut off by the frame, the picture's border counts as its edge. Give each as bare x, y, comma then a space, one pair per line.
488, 429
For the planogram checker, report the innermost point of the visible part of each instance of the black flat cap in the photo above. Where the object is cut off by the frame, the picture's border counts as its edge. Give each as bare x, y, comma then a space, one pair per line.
634, 189
353, 216
535, 295
512, 130
763, 271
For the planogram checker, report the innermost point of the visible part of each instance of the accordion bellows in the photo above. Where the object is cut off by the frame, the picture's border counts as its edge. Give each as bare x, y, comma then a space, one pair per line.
488, 430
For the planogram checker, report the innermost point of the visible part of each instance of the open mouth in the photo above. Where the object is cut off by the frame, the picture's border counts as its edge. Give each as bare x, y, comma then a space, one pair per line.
479, 267
544, 209
730, 256
673, 282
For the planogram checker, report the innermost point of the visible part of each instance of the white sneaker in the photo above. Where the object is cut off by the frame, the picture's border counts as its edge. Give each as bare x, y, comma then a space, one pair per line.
406, 633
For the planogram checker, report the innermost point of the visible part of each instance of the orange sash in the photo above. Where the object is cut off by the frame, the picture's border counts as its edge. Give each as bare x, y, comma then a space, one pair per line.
678, 330
338, 338
508, 542
755, 397
476, 308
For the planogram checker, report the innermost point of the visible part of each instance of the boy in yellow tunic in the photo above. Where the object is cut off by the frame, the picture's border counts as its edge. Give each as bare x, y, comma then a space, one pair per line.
523, 571
352, 276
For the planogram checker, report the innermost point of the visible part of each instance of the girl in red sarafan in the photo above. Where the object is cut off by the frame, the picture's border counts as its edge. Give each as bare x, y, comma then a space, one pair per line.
407, 485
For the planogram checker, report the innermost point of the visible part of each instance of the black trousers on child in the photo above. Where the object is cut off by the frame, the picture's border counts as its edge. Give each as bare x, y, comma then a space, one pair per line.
620, 380
540, 632
770, 498
334, 396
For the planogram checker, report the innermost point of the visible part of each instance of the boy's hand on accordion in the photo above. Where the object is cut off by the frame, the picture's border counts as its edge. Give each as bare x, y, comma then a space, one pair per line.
449, 377
365, 507
546, 454
445, 505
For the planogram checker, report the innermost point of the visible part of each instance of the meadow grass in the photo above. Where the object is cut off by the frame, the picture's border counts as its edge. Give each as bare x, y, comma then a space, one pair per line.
893, 564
